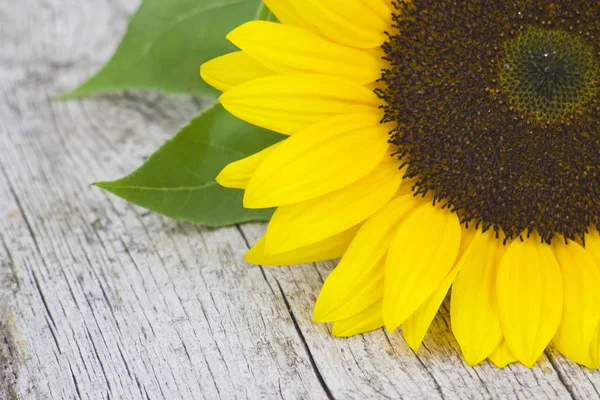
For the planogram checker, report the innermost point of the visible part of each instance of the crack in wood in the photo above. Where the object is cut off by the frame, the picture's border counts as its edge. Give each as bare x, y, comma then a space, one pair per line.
9, 355
311, 358
306, 345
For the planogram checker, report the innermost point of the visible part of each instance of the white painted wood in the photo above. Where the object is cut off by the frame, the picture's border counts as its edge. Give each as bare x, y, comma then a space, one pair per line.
100, 299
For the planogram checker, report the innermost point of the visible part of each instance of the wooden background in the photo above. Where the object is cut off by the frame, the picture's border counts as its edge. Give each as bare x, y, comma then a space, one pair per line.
103, 300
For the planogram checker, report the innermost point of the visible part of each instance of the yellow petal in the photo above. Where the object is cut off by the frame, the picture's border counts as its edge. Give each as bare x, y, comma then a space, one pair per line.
530, 297
473, 308
356, 282
333, 247
236, 175
592, 245
384, 8
365, 321
468, 237
337, 303
325, 157
307, 222
285, 11
421, 255
416, 326
290, 103
356, 23
581, 308
287, 49
595, 350
231, 70
502, 356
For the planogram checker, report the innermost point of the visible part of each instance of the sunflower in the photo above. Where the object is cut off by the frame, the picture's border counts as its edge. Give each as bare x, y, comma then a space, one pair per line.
434, 146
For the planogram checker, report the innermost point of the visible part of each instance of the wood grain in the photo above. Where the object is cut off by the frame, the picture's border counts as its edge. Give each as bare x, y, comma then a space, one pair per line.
101, 299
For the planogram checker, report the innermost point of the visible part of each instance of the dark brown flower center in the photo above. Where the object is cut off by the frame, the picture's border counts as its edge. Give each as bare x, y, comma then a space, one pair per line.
497, 112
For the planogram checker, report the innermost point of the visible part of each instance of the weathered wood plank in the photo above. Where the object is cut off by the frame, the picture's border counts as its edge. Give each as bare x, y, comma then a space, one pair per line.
100, 299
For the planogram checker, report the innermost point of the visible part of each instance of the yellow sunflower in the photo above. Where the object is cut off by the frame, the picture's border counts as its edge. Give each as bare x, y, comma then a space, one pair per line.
432, 144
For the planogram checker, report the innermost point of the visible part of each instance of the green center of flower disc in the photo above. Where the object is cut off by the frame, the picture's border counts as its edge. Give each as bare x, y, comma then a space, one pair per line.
549, 74
496, 110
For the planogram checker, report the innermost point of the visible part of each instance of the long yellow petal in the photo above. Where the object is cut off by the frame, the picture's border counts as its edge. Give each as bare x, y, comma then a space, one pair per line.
285, 11
581, 308
326, 157
473, 307
290, 103
595, 350
356, 23
421, 255
231, 70
384, 8
365, 321
502, 356
415, 327
307, 222
530, 297
592, 245
301, 13
357, 281
335, 303
237, 174
288, 49
330, 248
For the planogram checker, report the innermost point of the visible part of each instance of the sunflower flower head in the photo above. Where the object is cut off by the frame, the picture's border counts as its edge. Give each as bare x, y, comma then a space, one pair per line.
434, 146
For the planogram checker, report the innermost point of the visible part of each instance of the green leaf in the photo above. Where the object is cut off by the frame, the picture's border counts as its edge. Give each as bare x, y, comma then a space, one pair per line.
166, 43
178, 180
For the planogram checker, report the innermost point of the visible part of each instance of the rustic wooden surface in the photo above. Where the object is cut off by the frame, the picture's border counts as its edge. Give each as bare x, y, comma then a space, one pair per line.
100, 299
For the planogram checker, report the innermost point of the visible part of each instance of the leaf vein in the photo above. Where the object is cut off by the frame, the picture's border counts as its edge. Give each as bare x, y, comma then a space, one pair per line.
162, 189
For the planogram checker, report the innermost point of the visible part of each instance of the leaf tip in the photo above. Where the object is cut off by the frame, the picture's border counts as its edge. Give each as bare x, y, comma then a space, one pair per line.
106, 185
